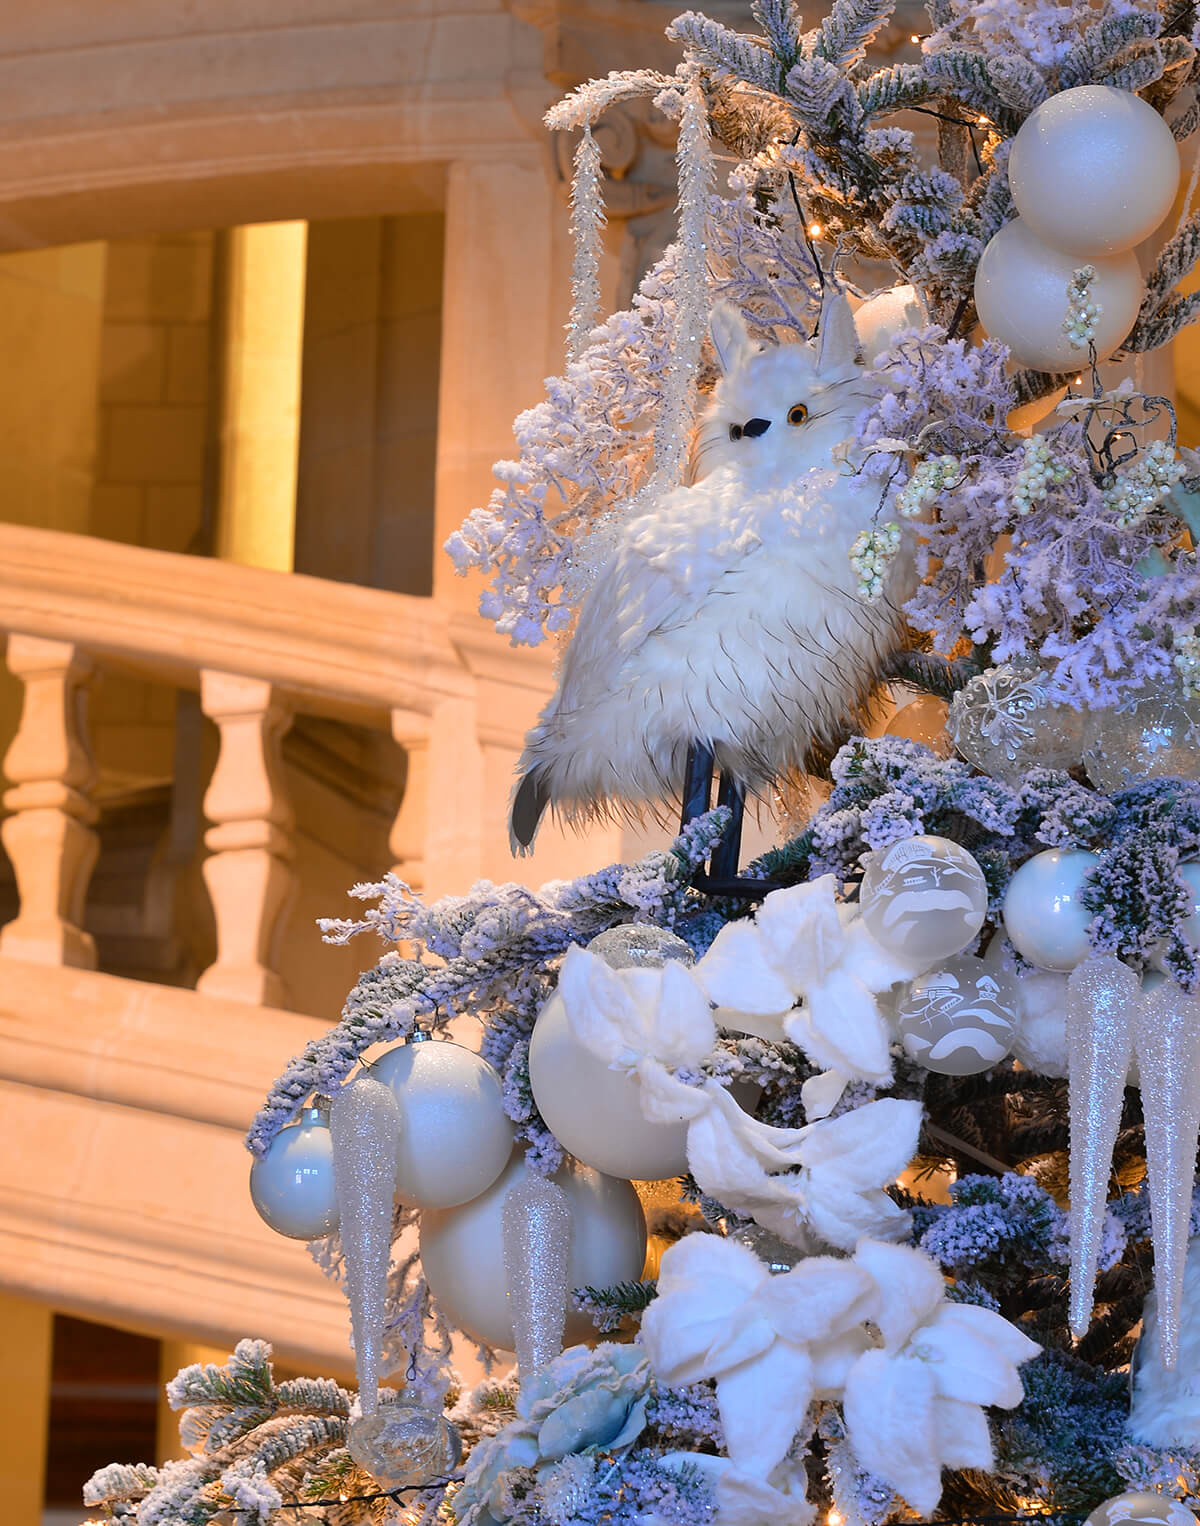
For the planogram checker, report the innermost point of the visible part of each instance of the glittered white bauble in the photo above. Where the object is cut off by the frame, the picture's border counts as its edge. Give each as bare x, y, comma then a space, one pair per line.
923, 899
1004, 723
958, 1019
1093, 171
1153, 735
595, 1112
455, 1139
1141, 1509
883, 316
292, 1184
1043, 916
1021, 298
462, 1250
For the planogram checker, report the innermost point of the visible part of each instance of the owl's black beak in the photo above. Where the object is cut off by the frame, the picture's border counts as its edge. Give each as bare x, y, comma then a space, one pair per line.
755, 427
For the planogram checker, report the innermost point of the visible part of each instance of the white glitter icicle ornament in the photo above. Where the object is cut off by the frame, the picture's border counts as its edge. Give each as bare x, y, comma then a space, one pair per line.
536, 1228
455, 1138
462, 1250
365, 1123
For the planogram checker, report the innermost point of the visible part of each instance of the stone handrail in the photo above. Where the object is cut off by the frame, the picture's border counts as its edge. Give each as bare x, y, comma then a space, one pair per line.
259, 646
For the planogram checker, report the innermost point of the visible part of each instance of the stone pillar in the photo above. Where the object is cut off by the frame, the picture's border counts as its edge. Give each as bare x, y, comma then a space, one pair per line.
406, 840
263, 341
49, 835
248, 875
26, 1335
498, 335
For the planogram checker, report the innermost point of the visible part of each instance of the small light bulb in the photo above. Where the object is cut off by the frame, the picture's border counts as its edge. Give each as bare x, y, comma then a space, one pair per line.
1079, 381
984, 121
834, 1518
913, 38
814, 230
343, 1496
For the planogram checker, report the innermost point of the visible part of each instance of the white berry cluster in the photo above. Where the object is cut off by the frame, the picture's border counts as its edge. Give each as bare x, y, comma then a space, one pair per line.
1082, 311
1144, 483
930, 478
1186, 662
871, 555
1039, 472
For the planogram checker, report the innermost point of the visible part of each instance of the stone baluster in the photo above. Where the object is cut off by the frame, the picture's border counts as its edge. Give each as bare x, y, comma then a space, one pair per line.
406, 840
248, 872
49, 836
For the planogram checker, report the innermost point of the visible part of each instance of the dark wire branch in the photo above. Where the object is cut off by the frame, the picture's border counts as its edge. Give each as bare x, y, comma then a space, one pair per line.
351, 1499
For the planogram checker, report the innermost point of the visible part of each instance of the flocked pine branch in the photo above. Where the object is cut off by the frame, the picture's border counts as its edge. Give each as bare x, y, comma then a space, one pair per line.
725, 51
609, 1306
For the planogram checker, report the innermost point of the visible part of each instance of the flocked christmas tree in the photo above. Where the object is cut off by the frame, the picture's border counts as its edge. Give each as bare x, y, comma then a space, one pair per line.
927, 1076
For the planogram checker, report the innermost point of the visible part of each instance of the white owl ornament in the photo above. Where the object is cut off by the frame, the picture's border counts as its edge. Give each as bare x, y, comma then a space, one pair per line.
728, 614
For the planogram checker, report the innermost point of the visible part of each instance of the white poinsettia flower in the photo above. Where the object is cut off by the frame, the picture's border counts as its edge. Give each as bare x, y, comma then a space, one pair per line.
720, 1314
806, 968
915, 1406
629, 1017
744, 1499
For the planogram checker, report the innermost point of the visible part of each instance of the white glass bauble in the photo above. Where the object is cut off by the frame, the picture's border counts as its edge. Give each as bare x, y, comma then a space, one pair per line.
595, 1112
958, 1019
462, 1250
1137, 1508
1154, 734
1021, 298
1043, 916
883, 316
292, 1184
1093, 171
1190, 873
455, 1139
1004, 723
923, 899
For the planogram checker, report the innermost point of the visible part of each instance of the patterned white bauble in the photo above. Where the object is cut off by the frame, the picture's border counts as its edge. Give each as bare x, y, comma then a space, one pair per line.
1136, 1508
1093, 171
455, 1139
1152, 735
462, 1250
1043, 915
1021, 298
292, 1184
923, 899
958, 1019
595, 1112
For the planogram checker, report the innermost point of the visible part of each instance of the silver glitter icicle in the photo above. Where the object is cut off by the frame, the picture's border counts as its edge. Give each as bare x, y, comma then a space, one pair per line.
1102, 996
364, 1120
537, 1248
1167, 1038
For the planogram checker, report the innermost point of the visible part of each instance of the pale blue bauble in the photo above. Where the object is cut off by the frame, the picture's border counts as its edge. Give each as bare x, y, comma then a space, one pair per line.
1043, 916
292, 1184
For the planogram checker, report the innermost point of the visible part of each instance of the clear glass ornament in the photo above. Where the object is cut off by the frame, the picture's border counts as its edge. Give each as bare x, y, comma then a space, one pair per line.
364, 1119
404, 1444
639, 945
1140, 1508
958, 1019
1004, 723
923, 899
537, 1249
1167, 1041
1153, 734
1102, 998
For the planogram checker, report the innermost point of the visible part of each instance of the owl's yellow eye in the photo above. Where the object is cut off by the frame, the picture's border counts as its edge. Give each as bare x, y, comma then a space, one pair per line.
797, 413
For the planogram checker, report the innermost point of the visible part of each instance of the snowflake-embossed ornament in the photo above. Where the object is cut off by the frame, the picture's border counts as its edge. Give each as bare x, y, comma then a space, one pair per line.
1004, 722
1152, 735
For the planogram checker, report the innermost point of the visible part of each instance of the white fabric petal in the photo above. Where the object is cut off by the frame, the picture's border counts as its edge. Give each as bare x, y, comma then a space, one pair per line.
744, 1500
763, 1404
664, 1099
600, 1009
868, 1146
684, 1030
703, 1260
963, 1437
889, 1410
842, 1216
1002, 1333
736, 973
833, 1359
871, 962
966, 1367
821, 1093
821, 1297
911, 1285
845, 1014
767, 1026
801, 932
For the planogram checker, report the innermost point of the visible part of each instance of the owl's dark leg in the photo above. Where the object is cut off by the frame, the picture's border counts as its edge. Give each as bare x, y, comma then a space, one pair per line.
721, 876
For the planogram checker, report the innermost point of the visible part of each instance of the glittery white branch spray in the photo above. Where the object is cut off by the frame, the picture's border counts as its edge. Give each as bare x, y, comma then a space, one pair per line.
364, 1122
690, 290
536, 1225
587, 221
1102, 997
1167, 1038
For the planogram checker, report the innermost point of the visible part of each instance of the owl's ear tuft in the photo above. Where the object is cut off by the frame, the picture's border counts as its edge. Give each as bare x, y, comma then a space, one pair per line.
730, 336
837, 338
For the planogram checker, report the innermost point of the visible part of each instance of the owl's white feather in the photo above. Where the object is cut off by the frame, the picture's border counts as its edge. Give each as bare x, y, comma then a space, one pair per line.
728, 613
1165, 1409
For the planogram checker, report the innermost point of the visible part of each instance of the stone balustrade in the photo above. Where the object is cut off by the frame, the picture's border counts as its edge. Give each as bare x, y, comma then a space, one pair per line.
259, 646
